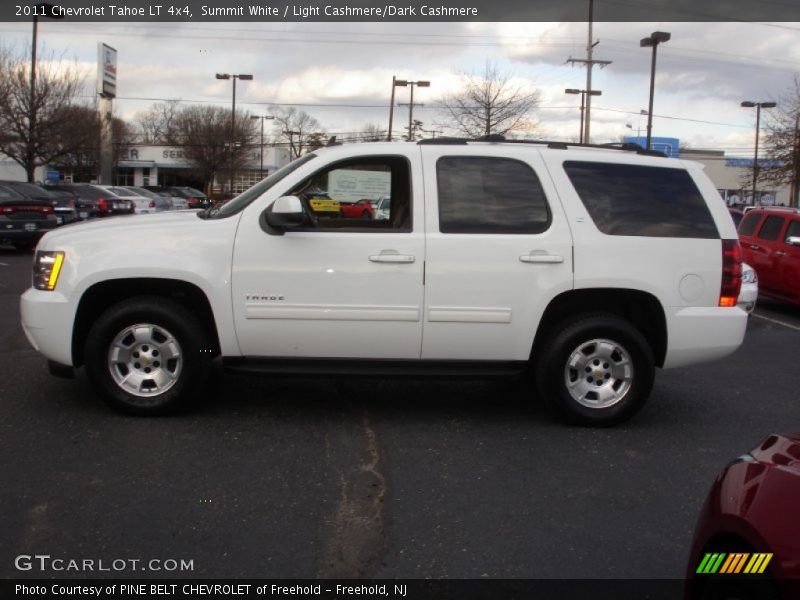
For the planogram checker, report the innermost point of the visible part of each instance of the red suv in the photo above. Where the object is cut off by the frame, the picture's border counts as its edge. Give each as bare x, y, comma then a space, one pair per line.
770, 240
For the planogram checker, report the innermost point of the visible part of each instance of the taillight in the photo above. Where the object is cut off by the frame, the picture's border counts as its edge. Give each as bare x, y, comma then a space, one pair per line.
192, 201
7, 210
48, 210
731, 273
102, 205
152, 204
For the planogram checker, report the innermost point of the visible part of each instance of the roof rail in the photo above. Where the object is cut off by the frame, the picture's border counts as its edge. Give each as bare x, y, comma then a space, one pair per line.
554, 144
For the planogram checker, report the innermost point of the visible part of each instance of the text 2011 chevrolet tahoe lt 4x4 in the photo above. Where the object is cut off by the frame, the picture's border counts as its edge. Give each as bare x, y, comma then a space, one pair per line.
592, 266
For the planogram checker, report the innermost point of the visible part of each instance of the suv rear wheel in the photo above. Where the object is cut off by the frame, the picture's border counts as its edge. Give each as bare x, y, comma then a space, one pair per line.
147, 355
595, 369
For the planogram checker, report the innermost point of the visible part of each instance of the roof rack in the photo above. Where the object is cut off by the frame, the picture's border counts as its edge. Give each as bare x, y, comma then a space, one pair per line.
555, 145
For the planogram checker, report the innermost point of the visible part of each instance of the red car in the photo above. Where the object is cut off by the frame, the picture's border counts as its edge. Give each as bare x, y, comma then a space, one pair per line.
362, 209
770, 240
747, 539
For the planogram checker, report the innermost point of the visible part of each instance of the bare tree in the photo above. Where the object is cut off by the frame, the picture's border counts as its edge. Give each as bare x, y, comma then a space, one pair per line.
299, 129
32, 119
204, 134
372, 133
489, 103
153, 125
782, 143
80, 137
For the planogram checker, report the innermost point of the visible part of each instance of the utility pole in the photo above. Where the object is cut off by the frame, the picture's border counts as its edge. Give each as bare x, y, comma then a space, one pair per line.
590, 62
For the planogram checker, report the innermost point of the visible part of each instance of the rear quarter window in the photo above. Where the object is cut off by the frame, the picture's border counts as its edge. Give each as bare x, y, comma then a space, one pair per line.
636, 200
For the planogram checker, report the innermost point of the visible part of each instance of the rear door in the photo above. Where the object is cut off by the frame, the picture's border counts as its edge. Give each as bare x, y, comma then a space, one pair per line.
787, 258
498, 249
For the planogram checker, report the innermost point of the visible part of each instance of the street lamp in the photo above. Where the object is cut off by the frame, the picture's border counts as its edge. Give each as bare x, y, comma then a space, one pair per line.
758, 106
263, 118
39, 10
583, 100
243, 77
405, 83
656, 38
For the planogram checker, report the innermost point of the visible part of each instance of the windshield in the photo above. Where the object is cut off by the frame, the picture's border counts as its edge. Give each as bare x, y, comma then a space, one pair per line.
238, 203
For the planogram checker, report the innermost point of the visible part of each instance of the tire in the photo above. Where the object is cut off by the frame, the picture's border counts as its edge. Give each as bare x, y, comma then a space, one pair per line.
147, 355
594, 369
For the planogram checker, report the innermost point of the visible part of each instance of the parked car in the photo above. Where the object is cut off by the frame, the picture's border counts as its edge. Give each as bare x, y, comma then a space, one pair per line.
65, 206
748, 294
746, 542
770, 239
588, 267
158, 202
178, 201
194, 198
141, 204
382, 208
361, 209
94, 201
23, 220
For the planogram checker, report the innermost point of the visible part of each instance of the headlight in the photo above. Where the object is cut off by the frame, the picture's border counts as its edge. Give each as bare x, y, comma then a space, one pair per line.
749, 276
46, 269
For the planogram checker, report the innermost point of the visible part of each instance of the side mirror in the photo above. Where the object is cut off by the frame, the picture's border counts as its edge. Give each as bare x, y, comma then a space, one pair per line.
793, 240
286, 212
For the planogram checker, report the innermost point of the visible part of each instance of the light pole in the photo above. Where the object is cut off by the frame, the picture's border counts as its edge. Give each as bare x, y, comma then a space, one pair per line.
655, 38
395, 83
263, 118
243, 77
39, 10
758, 106
583, 94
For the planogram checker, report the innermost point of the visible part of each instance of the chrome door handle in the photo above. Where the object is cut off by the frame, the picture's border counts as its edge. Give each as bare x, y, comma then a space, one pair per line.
391, 258
780, 253
542, 258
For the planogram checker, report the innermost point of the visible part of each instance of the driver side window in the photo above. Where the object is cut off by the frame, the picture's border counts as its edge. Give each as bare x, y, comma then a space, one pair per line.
362, 194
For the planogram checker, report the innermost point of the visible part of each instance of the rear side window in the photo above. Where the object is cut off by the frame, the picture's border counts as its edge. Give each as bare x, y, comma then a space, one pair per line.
490, 195
793, 230
748, 226
641, 201
771, 229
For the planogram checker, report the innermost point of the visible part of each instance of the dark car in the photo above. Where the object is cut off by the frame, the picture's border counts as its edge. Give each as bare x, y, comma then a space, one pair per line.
24, 219
194, 198
65, 206
747, 539
93, 201
770, 241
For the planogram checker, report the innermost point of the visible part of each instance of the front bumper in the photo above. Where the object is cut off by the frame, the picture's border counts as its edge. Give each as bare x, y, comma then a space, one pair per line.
47, 319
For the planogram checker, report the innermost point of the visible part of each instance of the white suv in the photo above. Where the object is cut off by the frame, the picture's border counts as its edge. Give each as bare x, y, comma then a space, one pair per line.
592, 266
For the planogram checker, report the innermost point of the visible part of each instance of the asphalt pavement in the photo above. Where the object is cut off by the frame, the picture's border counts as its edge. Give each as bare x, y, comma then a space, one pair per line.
283, 477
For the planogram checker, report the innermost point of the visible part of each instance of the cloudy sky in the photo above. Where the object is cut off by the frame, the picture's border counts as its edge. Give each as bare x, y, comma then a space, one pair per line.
341, 73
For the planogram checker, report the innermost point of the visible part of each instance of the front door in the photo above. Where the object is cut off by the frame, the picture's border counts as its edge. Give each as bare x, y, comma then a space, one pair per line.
342, 286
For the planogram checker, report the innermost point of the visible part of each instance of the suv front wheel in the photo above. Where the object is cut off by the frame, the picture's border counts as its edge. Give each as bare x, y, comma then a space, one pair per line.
147, 355
596, 369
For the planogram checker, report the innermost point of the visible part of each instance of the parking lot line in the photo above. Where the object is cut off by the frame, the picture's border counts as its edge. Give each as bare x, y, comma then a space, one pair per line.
777, 322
